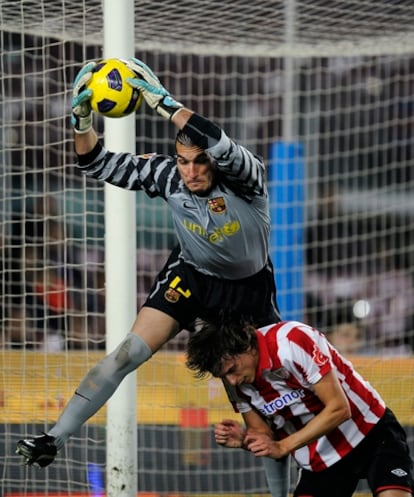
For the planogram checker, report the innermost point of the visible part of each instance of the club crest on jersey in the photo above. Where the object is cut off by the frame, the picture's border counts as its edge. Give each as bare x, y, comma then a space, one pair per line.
318, 356
171, 295
217, 205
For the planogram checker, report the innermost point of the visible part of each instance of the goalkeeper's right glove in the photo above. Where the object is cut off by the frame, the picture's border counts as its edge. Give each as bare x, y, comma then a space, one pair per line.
156, 96
81, 118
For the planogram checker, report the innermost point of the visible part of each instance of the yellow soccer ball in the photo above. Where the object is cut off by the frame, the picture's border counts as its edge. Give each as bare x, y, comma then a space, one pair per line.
112, 96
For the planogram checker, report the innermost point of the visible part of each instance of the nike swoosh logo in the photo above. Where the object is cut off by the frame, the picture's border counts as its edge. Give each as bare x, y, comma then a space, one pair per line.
186, 205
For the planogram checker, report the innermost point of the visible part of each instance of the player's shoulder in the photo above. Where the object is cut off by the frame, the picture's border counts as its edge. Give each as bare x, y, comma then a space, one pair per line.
161, 170
156, 158
283, 327
147, 156
289, 333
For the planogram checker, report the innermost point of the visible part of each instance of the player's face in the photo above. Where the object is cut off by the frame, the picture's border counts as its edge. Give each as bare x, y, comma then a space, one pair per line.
196, 168
240, 369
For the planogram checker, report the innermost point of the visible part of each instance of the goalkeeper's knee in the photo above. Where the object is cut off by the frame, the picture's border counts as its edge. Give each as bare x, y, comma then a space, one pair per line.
111, 370
129, 354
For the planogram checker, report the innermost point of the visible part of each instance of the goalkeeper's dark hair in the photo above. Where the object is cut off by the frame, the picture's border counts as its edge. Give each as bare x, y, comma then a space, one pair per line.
219, 339
182, 138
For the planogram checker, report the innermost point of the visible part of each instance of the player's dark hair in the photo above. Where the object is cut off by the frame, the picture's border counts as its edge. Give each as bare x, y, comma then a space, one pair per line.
182, 138
217, 340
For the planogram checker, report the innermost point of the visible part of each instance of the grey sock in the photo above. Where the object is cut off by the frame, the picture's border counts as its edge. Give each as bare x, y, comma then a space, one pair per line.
98, 385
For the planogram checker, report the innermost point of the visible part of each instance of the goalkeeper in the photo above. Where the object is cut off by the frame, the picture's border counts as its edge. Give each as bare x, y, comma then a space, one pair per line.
220, 207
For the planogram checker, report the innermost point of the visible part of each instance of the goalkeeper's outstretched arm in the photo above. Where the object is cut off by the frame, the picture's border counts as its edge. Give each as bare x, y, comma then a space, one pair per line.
86, 142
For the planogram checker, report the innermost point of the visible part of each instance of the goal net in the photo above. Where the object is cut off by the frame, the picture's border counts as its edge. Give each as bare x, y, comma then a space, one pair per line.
323, 90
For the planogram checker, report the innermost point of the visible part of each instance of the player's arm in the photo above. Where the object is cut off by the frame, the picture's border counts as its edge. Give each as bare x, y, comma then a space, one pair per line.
85, 143
256, 424
336, 410
232, 434
181, 118
82, 117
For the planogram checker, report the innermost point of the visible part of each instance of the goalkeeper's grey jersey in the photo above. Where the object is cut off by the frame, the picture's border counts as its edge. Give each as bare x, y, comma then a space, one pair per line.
224, 234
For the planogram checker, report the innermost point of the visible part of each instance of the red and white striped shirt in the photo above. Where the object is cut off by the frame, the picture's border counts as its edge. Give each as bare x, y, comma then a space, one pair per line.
292, 358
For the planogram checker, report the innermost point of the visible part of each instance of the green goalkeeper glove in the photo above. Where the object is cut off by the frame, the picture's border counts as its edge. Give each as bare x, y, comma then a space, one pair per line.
156, 96
81, 118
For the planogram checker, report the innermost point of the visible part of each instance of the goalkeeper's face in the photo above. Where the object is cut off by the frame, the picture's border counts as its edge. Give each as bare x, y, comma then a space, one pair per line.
196, 168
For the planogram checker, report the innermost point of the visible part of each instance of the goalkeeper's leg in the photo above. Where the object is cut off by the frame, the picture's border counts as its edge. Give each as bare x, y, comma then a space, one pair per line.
277, 475
151, 330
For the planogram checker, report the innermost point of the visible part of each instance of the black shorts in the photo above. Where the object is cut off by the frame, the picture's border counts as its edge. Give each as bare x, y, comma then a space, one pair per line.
185, 294
382, 458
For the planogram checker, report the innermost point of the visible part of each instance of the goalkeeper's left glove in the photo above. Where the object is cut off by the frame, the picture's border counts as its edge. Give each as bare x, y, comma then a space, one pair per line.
81, 117
156, 96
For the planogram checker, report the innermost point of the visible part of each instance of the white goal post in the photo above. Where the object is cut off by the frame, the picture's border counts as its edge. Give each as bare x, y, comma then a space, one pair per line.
323, 90
120, 262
